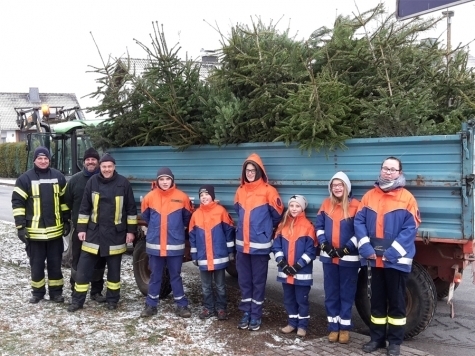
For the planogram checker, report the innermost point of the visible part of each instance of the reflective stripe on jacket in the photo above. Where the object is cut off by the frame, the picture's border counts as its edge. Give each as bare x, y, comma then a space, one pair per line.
107, 213
211, 236
259, 208
393, 216
334, 229
296, 245
38, 203
167, 214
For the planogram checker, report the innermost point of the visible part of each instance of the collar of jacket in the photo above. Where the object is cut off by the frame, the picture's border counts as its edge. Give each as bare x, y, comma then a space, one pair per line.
209, 206
107, 180
393, 192
253, 185
167, 192
41, 170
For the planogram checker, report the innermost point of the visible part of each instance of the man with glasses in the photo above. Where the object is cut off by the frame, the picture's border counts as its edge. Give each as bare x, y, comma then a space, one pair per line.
386, 224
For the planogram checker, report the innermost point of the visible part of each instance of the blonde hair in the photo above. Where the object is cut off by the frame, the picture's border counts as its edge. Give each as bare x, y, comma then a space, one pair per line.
344, 201
286, 220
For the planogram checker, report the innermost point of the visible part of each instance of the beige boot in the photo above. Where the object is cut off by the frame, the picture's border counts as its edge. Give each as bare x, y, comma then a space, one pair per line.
287, 329
301, 332
344, 337
333, 336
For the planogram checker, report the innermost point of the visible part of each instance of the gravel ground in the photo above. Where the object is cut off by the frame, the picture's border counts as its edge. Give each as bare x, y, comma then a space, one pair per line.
48, 329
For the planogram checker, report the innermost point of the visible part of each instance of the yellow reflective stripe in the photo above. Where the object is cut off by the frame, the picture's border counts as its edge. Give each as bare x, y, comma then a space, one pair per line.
117, 250
379, 321
63, 191
55, 282
64, 207
90, 247
57, 205
83, 219
45, 233
95, 206
113, 286
35, 190
131, 219
81, 288
18, 211
20, 192
119, 203
396, 321
39, 284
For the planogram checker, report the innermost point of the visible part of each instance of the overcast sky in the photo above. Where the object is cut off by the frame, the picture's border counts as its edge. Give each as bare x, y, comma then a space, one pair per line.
48, 44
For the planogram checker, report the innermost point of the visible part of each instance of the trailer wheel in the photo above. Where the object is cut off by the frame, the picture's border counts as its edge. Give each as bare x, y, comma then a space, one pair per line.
421, 300
142, 272
231, 269
442, 288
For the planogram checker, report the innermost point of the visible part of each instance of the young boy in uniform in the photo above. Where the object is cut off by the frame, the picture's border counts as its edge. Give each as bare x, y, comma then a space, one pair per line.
212, 247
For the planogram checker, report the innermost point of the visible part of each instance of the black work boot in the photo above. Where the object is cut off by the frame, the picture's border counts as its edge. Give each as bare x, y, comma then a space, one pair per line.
98, 297
393, 350
35, 300
373, 346
74, 307
57, 299
148, 311
111, 306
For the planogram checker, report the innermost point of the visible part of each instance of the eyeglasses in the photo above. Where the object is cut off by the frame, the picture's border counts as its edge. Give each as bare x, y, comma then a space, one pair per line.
389, 170
252, 171
337, 186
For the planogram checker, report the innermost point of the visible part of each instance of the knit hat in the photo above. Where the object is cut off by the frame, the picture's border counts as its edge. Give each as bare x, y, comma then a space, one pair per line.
300, 200
107, 158
165, 172
344, 178
207, 188
41, 151
90, 153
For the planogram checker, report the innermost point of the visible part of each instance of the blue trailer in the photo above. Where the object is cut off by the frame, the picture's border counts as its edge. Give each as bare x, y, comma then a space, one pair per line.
439, 171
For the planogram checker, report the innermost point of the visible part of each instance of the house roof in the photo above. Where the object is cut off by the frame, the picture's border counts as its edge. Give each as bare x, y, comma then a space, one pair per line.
9, 101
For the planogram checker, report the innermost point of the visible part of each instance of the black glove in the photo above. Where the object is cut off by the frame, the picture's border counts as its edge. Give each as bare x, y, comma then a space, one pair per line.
289, 270
23, 235
297, 267
66, 228
282, 263
326, 247
195, 262
341, 252
231, 256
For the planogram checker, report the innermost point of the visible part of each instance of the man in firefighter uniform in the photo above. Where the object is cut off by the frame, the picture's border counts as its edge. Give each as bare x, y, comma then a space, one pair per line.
107, 221
41, 219
73, 197
386, 224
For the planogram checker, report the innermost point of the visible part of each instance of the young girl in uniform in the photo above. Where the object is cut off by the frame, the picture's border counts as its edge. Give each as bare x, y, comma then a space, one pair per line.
294, 250
339, 255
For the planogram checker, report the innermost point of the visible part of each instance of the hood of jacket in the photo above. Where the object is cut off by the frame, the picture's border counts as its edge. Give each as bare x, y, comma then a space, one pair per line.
256, 160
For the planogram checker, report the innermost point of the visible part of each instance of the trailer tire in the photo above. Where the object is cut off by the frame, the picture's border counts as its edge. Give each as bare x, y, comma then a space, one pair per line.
442, 288
142, 272
421, 300
231, 268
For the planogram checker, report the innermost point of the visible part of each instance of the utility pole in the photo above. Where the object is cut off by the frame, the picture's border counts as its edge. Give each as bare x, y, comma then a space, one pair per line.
449, 14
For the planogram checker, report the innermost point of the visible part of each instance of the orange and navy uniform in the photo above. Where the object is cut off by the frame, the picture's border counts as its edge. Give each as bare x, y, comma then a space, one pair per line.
167, 214
386, 224
259, 208
333, 228
296, 245
211, 236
